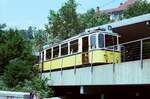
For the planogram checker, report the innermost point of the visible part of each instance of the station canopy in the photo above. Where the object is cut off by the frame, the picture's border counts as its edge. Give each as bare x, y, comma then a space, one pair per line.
132, 28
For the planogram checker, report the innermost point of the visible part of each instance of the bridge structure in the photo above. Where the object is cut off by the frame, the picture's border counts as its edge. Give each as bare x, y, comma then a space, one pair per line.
131, 75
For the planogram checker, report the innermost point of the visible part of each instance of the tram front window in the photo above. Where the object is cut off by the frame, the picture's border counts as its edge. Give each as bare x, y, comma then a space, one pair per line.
64, 49
110, 41
100, 40
55, 51
74, 46
93, 41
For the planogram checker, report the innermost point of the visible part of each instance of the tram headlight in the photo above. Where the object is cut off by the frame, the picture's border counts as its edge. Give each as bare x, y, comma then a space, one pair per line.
109, 27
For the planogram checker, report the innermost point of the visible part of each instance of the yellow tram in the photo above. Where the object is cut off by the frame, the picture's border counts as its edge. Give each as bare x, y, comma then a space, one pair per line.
94, 47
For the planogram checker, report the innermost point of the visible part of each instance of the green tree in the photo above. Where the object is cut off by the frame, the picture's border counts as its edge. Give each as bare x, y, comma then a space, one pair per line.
65, 22
2, 26
36, 84
17, 71
17, 63
140, 7
2, 39
92, 18
55, 25
41, 37
2, 36
12, 46
30, 32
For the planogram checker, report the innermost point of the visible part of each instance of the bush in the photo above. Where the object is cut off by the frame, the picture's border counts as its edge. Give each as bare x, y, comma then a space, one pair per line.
37, 84
17, 65
17, 71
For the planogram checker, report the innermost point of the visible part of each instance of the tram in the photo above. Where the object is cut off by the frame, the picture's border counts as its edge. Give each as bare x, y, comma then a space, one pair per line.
92, 47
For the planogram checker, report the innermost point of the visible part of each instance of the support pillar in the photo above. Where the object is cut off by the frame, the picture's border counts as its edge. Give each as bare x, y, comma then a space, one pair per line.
102, 96
81, 89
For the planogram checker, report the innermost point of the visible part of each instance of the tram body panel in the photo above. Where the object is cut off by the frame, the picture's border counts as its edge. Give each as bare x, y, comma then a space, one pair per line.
109, 55
79, 59
97, 56
117, 57
103, 56
46, 65
56, 63
69, 61
40, 67
113, 57
72, 60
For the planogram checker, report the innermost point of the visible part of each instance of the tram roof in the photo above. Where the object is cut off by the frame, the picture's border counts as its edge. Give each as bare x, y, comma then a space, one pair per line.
102, 30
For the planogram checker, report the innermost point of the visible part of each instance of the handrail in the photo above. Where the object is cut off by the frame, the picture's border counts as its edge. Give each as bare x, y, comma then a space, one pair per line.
129, 42
135, 41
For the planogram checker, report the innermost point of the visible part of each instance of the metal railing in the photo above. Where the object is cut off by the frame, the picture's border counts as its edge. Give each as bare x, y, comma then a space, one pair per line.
135, 50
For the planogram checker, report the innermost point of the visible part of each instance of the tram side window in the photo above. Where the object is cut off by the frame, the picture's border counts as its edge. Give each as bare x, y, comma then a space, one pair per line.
55, 51
110, 40
64, 49
93, 41
48, 54
100, 40
74, 46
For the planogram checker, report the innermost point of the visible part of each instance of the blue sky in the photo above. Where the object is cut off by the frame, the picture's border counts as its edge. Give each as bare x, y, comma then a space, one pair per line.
24, 13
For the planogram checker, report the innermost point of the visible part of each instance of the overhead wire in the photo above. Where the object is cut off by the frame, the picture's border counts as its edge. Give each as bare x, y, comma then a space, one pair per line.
108, 3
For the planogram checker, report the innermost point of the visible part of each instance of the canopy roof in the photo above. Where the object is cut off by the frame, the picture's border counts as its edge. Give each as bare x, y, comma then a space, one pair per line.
130, 29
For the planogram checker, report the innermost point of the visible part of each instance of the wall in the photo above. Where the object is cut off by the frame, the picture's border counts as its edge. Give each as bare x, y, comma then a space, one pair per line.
124, 73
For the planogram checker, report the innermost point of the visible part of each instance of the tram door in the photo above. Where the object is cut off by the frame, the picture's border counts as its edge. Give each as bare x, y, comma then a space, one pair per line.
42, 60
85, 48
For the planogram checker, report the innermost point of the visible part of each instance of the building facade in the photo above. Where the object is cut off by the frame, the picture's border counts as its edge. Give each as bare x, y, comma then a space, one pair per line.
116, 13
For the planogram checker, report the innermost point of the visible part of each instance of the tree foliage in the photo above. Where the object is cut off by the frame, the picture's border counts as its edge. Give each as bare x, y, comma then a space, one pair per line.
12, 46
36, 84
17, 57
140, 7
92, 18
17, 64
2, 26
17, 71
41, 37
65, 22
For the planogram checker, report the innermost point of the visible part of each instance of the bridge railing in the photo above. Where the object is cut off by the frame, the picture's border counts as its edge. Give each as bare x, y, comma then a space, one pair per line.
135, 50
